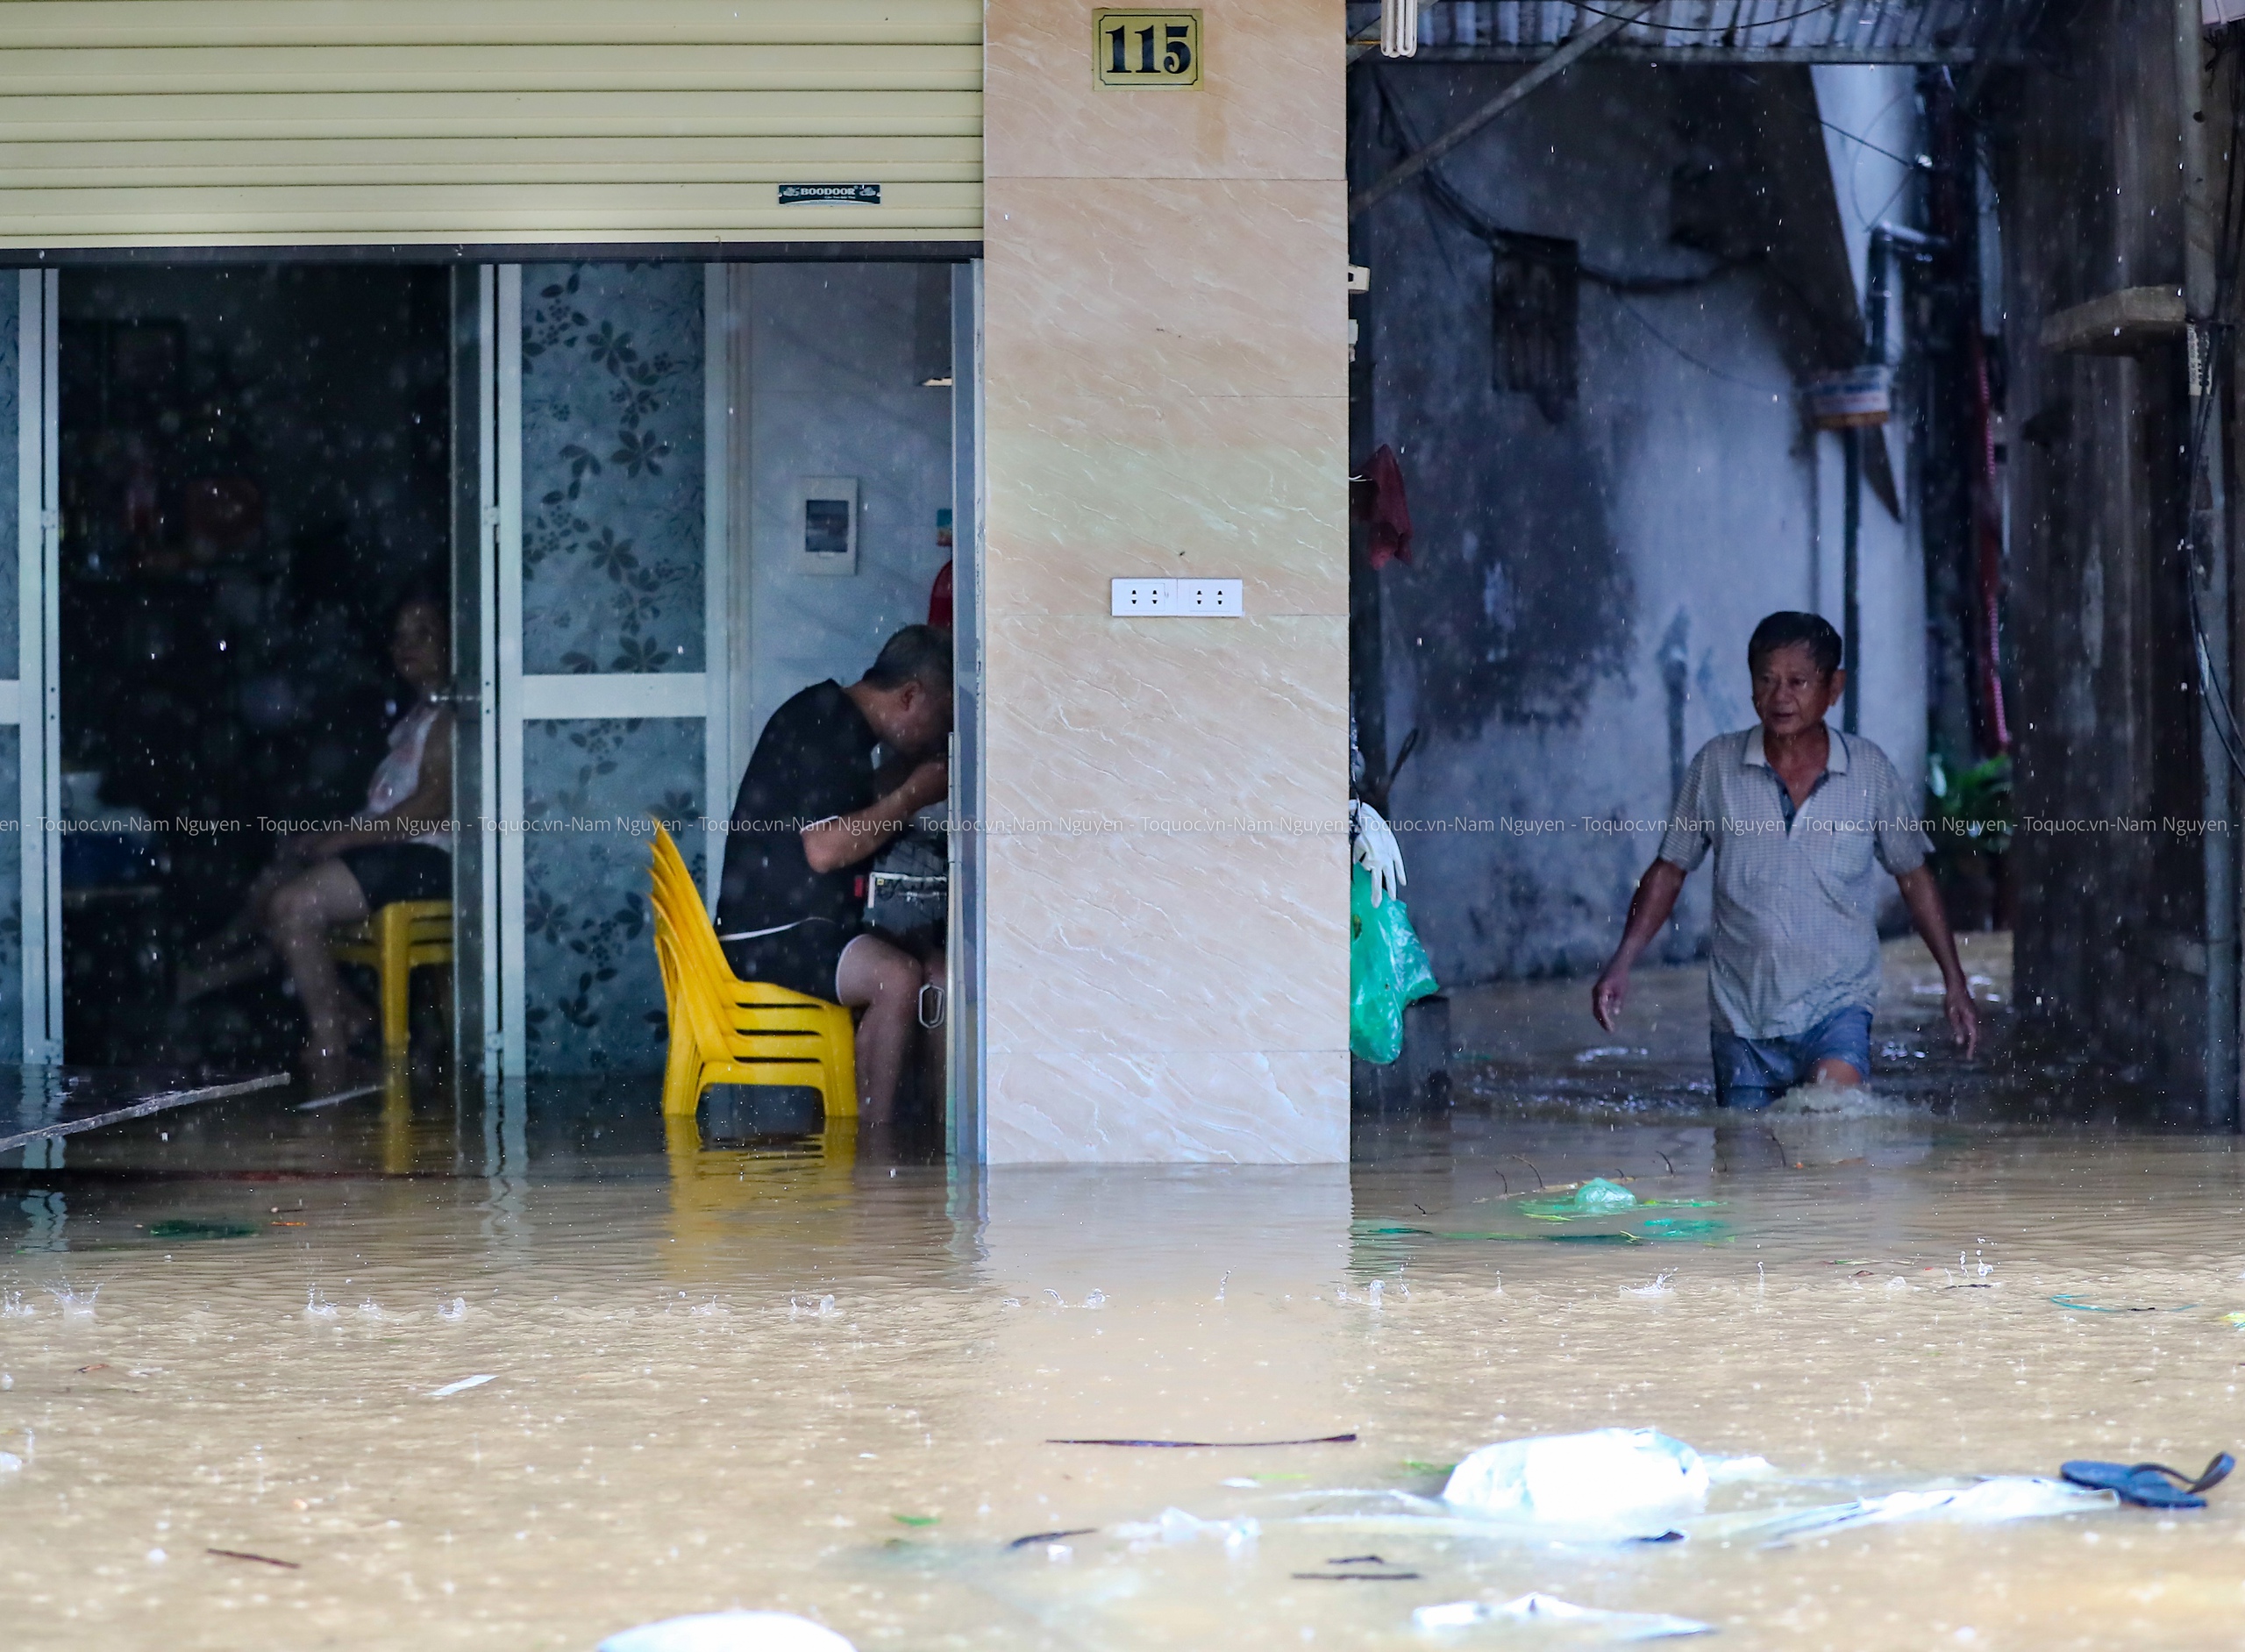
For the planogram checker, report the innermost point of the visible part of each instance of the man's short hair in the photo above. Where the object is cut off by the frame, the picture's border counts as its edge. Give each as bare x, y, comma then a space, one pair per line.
918, 653
1785, 628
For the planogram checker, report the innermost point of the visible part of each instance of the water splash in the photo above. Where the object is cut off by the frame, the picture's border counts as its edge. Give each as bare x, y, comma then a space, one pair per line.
1660, 1286
456, 1309
317, 1306
12, 1305
1097, 1299
76, 1304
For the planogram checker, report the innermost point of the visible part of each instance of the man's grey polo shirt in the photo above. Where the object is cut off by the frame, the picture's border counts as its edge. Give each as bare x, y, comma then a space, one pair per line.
1796, 933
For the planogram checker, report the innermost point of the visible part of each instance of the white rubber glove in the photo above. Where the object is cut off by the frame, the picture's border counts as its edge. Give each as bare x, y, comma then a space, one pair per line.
1375, 850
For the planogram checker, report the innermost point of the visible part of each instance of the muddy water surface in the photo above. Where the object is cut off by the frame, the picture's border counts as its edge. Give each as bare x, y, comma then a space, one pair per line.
788, 1379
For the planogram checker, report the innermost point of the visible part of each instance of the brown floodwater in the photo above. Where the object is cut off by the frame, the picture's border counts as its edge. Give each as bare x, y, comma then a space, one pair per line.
781, 1376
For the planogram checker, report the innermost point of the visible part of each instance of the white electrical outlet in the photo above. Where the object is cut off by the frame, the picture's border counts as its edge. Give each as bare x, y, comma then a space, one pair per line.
1182, 599
1217, 599
1138, 599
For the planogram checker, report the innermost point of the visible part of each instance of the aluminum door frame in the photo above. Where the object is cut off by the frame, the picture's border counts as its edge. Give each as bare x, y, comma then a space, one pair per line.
33, 701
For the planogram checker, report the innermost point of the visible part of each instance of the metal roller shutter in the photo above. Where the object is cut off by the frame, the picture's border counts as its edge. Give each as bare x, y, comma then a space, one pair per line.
171, 123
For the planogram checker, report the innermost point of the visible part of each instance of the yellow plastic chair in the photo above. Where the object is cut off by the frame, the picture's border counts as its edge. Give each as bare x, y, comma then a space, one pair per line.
726, 1030
401, 938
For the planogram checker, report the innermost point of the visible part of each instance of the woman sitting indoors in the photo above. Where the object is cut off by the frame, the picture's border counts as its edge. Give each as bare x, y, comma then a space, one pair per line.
396, 848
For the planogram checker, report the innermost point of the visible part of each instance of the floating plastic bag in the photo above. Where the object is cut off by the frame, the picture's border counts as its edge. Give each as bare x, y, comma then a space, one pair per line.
1633, 1480
729, 1631
1387, 969
1550, 1609
1599, 1195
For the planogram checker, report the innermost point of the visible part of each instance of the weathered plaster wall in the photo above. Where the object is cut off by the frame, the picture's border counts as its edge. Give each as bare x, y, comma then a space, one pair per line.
1557, 564
1166, 384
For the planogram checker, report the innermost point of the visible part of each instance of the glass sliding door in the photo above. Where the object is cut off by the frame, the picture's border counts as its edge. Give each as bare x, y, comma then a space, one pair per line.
602, 622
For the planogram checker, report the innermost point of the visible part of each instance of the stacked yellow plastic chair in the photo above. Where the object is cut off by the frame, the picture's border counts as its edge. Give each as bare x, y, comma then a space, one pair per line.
726, 1030
401, 938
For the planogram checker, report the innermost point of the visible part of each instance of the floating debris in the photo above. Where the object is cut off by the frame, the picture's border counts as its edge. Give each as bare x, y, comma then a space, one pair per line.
730, 1631
188, 1229
262, 1560
462, 1385
1213, 1445
1175, 1526
1550, 1609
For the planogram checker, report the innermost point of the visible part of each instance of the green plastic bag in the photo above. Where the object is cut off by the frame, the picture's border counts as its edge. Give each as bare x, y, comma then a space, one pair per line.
1387, 969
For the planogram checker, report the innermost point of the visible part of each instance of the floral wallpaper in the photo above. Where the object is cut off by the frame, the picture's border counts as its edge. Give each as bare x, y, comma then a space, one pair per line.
595, 997
612, 583
612, 456
10, 301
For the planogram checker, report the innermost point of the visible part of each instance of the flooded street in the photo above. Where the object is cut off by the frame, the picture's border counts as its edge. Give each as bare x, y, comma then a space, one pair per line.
240, 1341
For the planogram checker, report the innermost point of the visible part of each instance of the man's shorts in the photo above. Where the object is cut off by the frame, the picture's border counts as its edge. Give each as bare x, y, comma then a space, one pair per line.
1752, 1073
802, 959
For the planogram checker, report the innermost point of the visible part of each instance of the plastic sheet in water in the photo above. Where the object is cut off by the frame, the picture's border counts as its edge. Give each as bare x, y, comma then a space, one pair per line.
2009, 1496
1175, 1526
729, 1631
1548, 1610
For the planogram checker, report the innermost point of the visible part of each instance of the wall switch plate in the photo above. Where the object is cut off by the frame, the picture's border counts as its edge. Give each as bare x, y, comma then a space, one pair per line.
1181, 599
1138, 599
1218, 599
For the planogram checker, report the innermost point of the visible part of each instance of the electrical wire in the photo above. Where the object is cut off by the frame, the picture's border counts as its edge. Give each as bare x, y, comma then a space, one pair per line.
1637, 316
2214, 692
1516, 243
1709, 28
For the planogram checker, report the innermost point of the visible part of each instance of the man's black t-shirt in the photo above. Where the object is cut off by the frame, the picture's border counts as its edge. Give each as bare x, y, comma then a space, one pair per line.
813, 761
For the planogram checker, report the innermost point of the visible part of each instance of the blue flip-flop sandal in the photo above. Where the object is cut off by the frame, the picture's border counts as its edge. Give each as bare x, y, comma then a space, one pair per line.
2150, 1484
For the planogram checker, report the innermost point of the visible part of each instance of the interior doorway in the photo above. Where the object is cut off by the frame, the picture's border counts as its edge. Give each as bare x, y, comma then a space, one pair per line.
616, 489
254, 464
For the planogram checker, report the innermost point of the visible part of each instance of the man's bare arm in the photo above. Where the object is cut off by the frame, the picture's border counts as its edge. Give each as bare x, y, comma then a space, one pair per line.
1922, 896
1649, 908
844, 840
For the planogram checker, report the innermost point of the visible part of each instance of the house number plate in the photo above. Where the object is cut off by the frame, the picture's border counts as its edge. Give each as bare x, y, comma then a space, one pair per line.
1146, 48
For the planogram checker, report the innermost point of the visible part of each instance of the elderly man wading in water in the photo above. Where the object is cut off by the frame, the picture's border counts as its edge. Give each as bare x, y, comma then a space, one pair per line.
1796, 813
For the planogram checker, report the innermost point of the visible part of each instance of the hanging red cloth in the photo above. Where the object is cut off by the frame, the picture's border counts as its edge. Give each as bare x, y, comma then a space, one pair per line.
939, 608
1376, 497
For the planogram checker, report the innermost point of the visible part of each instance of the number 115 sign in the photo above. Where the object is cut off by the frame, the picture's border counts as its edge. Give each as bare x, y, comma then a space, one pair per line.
1146, 48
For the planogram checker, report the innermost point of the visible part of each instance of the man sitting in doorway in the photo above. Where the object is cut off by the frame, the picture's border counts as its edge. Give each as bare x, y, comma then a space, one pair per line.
396, 848
1795, 813
813, 811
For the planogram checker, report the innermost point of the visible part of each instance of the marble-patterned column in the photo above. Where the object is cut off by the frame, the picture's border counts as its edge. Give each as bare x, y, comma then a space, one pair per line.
1166, 383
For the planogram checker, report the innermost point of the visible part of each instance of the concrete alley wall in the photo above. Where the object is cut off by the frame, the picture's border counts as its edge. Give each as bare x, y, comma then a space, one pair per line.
1566, 568
1167, 393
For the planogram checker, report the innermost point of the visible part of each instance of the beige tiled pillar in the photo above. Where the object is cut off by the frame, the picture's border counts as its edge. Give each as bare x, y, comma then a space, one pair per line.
1166, 393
